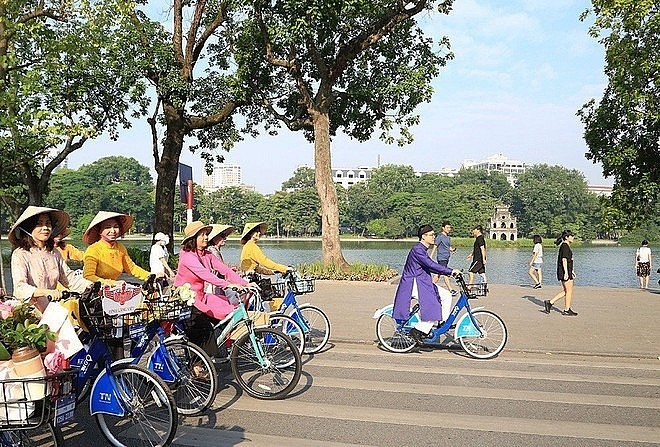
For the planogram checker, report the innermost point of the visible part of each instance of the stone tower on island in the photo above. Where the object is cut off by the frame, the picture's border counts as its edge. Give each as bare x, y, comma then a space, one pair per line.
502, 225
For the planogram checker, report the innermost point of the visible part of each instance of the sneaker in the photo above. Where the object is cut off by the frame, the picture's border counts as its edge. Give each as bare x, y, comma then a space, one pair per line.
547, 306
537, 286
569, 313
454, 292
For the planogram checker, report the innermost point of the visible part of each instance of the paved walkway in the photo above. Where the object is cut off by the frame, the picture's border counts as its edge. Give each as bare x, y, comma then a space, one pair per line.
611, 321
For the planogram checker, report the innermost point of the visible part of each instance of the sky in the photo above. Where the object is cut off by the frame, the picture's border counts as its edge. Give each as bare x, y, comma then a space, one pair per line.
522, 69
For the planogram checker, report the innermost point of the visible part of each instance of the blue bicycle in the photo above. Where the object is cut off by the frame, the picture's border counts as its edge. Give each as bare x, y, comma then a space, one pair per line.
311, 319
481, 333
131, 405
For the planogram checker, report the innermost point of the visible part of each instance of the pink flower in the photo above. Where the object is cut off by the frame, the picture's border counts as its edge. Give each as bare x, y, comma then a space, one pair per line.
54, 362
6, 310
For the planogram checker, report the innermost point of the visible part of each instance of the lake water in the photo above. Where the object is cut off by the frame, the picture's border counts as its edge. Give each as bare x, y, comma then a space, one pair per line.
607, 266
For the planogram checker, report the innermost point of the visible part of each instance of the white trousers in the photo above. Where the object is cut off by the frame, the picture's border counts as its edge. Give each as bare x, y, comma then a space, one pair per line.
445, 303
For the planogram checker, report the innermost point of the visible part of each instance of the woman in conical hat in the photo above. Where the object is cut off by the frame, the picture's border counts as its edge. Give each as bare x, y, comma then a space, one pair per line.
106, 258
36, 267
252, 258
197, 267
218, 238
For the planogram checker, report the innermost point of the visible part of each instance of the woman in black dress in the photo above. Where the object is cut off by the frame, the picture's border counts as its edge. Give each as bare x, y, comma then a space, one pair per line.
565, 274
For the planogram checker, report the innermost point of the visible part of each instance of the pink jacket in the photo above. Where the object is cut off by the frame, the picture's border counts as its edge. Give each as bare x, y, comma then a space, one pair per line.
195, 269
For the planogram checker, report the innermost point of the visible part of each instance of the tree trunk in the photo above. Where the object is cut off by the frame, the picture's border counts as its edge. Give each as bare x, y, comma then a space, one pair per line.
167, 168
325, 187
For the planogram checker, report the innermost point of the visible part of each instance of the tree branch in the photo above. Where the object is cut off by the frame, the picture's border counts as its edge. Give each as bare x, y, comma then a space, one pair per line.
202, 122
154, 134
373, 34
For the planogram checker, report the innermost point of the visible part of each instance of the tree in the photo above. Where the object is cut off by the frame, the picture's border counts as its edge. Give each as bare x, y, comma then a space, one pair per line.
66, 75
303, 177
195, 99
351, 65
231, 206
118, 184
622, 130
549, 199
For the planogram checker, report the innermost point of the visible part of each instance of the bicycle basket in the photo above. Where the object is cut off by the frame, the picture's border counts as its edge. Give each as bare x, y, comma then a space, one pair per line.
27, 403
168, 310
303, 285
475, 290
106, 326
270, 290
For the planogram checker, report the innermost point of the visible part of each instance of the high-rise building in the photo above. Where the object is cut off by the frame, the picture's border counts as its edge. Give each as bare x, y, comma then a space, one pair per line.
222, 176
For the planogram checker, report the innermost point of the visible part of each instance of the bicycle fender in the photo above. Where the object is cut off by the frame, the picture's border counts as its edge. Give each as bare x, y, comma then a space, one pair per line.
465, 328
158, 363
387, 310
103, 397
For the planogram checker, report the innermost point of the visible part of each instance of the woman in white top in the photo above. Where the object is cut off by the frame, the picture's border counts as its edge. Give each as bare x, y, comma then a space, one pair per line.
536, 262
643, 264
159, 255
36, 266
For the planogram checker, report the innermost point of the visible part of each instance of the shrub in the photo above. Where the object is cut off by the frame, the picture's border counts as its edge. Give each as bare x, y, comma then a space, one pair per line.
356, 272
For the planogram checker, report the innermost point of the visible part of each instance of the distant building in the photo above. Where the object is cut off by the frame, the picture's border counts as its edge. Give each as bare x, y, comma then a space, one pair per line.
498, 163
223, 176
605, 191
350, 176
502, 225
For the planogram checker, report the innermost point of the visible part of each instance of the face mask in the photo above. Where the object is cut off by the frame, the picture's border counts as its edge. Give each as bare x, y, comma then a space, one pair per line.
107, 239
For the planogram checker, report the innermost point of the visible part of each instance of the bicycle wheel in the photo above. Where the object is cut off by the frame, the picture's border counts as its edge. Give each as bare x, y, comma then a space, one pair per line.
319, 328
151, 416
269, 381
46, 435
390, 337
197, 381
493, 339
290, 327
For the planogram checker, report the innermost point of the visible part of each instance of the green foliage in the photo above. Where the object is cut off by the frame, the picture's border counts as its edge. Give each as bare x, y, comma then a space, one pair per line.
66, 75
118, 184
303, 177
139, 256
549, 199
356, 272
22, 329
622, 130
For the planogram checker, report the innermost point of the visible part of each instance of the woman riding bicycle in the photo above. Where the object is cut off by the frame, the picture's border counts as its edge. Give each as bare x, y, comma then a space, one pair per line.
36, 266
252, 258
106, 258
416, 282
198, 267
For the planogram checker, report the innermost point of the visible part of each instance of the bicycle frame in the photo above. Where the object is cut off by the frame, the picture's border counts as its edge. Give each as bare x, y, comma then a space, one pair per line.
235, 318
106, 395
290, 300
466, 326
160, 361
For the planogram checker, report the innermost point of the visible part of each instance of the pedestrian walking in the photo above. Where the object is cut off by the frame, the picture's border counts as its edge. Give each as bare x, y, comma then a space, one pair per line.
565, 274
444, 250
644, 264
478, 254
536, 262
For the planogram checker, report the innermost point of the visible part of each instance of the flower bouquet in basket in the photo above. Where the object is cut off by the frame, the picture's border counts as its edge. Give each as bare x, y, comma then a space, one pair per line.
183, 294
178, 303
22, 340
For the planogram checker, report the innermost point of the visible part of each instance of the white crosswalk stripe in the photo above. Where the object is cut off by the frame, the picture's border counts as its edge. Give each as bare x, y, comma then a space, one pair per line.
356, 394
